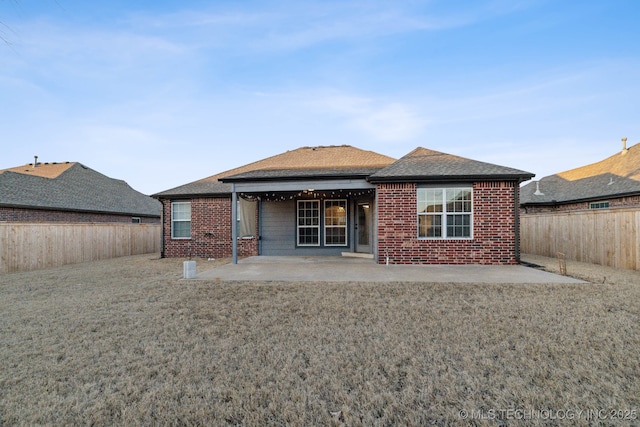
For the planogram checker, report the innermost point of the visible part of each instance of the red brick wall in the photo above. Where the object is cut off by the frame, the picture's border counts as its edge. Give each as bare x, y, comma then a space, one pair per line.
248, 247
41, 215
621, 202
210, 231
494, 232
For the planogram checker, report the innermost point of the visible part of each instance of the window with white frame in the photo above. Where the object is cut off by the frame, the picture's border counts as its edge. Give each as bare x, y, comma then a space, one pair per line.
181, 220
308, 223
445, 213
335, 222
599, 205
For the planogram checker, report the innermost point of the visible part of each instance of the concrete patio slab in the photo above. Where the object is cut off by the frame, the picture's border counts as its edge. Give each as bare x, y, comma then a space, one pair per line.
342, 269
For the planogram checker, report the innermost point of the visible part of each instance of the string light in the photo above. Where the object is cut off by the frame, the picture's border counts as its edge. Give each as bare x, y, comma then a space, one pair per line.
306, 194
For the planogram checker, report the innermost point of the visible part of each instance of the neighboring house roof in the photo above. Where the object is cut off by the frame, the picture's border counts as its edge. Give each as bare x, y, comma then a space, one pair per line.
302, 163
43, 170
615, 176
72, 186
428, 165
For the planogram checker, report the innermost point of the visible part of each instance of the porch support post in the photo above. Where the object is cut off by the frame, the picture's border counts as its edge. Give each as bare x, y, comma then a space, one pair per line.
234, 224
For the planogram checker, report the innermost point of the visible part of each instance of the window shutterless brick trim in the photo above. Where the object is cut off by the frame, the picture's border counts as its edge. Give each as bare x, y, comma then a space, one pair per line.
494, 231
210, 231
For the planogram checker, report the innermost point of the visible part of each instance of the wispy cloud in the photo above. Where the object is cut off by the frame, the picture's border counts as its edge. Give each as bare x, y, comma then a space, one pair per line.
42, 38
274, 27
378, 119
391, 122
292, 25
555, 93
237, 81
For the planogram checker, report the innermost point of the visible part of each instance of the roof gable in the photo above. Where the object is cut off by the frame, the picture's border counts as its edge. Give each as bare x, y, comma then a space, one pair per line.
76, 188
423, 164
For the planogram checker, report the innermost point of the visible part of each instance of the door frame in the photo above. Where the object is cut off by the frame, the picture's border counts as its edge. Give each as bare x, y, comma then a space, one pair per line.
366, 248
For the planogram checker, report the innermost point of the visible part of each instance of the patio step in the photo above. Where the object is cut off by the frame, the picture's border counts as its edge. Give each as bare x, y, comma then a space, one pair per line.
357, 255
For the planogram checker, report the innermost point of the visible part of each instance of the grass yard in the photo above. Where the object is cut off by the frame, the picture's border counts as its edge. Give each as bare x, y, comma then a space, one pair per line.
127, 342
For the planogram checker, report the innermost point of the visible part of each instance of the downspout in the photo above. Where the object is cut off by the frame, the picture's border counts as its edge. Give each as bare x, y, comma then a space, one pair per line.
516, 197
162, 230
376, 252
234, 224
259, 234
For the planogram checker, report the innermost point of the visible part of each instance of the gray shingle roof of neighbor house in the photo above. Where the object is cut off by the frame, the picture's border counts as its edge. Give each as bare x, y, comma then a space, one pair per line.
72, 186
428, 165
305, 162
615, 176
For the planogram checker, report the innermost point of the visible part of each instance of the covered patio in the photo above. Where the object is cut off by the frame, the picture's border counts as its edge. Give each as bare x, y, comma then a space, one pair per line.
311, 214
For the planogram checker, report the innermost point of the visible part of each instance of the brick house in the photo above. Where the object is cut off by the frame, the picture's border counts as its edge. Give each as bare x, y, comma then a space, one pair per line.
70, 192
608, 184
427, 207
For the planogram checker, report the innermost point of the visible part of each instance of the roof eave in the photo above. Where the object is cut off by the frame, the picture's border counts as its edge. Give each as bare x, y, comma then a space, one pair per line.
176, 196
437, 179
295, 178
59, 209
583, 199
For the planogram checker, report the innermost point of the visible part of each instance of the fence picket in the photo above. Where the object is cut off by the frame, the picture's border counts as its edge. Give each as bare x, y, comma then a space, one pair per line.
31, 246
606, 237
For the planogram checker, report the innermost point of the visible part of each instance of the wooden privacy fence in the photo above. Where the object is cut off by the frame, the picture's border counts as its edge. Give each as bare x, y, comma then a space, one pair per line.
26, 246
607, 237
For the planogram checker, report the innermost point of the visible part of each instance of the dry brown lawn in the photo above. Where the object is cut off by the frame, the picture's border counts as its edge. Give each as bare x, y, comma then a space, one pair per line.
128, 342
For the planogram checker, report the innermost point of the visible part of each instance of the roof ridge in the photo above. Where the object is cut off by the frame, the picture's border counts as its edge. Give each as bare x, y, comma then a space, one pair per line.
426, 164
613, 176
49, 170
307, 157
625, 163
250, 166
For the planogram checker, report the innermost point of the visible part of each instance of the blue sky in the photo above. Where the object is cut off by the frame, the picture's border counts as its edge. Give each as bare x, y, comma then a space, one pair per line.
162, 93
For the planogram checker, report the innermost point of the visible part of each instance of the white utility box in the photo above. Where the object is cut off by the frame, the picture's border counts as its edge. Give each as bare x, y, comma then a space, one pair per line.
189, 269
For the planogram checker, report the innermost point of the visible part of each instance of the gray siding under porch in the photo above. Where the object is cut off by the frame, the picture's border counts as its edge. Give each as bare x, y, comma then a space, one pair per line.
278, 232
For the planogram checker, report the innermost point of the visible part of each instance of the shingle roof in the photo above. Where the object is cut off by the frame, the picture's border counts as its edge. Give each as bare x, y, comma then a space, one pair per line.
294, 174
44, 170
296, 164
615, 176
74, 187
428, 165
